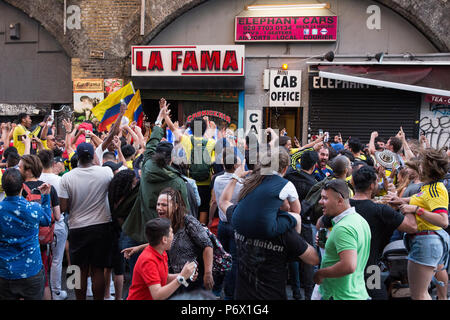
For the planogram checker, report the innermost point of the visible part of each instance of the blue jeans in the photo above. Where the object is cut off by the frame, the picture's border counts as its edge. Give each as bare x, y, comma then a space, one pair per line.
294, 271
225, 234
429, 250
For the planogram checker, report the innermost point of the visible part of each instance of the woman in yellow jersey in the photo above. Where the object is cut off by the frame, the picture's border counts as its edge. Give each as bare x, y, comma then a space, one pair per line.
429, 247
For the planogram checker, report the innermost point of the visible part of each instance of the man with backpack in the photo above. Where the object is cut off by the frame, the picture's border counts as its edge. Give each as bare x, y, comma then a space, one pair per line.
21, 269
200, 155
30, 167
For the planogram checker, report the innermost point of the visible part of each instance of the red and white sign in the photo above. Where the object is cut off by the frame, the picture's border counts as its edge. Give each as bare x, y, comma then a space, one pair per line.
432, 98
187, 60
294, 28
209, 113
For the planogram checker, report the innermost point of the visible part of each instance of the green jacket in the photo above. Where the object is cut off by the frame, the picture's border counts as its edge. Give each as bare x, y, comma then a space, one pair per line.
153, 180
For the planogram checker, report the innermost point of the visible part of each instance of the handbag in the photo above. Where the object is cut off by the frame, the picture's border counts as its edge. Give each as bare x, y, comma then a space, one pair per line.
222, 260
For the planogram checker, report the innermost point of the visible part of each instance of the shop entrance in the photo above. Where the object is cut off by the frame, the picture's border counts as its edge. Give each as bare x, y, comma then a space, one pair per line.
280, 118
220, 106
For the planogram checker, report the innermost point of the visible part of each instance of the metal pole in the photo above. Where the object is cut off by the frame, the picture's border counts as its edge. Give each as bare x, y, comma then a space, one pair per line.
142, 16
65, 16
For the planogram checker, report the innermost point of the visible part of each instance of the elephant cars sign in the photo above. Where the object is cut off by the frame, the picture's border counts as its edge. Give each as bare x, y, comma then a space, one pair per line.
269, 29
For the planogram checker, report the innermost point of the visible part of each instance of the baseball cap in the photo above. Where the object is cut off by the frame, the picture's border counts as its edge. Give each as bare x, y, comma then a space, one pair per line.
113, 165
339, 186
85, 149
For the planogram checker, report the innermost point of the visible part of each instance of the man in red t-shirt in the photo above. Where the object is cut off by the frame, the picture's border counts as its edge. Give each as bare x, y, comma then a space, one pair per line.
151, 278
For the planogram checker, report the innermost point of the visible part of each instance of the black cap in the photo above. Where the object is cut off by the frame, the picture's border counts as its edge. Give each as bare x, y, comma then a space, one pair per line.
339, 186
164, 147
113, 165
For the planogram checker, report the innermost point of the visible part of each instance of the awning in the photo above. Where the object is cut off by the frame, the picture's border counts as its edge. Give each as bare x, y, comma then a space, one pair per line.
425, 79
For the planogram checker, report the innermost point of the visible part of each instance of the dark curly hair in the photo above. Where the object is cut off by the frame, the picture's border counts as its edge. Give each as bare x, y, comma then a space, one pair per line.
120, 187
177, 217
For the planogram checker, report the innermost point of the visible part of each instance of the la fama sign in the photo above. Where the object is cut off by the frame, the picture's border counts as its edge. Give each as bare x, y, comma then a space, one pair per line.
187, 60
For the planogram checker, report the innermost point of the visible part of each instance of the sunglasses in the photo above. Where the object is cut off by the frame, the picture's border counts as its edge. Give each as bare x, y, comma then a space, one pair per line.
330, 186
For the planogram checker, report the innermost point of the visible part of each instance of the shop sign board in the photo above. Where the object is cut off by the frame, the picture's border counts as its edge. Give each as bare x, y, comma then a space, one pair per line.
191, 60
295, 28
432, 98
285, 88
87, 93
316, 82
88, 85
209, 113
253, 123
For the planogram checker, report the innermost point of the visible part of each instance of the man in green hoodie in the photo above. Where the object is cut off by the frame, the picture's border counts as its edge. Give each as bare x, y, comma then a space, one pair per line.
156, 174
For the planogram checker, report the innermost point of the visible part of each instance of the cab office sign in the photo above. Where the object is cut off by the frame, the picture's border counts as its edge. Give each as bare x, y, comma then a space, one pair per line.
268, 29
187, 60
285, 88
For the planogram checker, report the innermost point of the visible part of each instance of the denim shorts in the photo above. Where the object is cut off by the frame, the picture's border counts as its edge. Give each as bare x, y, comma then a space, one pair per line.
429, 250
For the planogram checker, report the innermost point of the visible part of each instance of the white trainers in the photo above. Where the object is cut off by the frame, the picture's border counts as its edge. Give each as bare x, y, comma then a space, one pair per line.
112, 291
109, 298
59, 295
89, 288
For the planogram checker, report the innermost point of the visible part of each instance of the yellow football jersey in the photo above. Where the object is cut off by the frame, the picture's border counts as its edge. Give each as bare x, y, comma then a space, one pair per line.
432, 197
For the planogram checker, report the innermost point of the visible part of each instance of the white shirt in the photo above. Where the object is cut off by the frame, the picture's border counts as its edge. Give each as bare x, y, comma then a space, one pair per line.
99, 152
87, 191
341, 216
220, 183
288, 192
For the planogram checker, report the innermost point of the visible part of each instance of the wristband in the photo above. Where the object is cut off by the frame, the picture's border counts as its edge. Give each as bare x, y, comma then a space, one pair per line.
420, 212
234, 176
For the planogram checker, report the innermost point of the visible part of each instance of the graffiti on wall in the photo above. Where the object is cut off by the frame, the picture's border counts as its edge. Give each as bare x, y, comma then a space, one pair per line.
435, 124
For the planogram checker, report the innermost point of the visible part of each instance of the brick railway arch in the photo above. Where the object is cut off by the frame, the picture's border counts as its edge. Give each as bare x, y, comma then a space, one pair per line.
429, 17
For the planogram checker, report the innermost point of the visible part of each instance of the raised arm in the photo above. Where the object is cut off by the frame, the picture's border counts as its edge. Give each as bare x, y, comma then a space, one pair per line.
115, 127
372, 147
156, 136
116, 142
176, 131
408, 153
68, 139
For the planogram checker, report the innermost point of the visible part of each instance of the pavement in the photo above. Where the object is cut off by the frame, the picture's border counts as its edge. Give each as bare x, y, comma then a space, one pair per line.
127, 283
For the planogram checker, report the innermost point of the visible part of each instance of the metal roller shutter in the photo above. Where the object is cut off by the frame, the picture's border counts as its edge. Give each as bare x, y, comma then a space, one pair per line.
358, 112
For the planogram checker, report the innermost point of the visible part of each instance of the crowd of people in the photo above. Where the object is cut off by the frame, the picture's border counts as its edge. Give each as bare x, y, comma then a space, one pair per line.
166, 201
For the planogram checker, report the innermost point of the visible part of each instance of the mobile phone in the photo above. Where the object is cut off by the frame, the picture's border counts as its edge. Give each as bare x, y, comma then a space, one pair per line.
88, 139
325, 139
320, 132
322, 237
193, 273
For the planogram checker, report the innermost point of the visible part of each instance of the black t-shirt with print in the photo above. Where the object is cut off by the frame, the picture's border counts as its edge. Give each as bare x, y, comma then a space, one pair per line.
382, 220
262, 264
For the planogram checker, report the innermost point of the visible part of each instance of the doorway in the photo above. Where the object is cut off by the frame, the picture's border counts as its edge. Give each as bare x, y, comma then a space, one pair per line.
280, 118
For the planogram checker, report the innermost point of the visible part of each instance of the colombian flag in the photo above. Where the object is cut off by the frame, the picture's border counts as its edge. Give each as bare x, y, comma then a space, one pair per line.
135, 112
108, 110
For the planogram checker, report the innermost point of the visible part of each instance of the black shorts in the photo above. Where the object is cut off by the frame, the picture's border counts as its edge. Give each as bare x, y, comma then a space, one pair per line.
117, 259
91, 245
205, 196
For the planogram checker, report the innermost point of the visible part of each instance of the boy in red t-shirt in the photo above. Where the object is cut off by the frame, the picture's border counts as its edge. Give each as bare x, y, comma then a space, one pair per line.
151, 278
